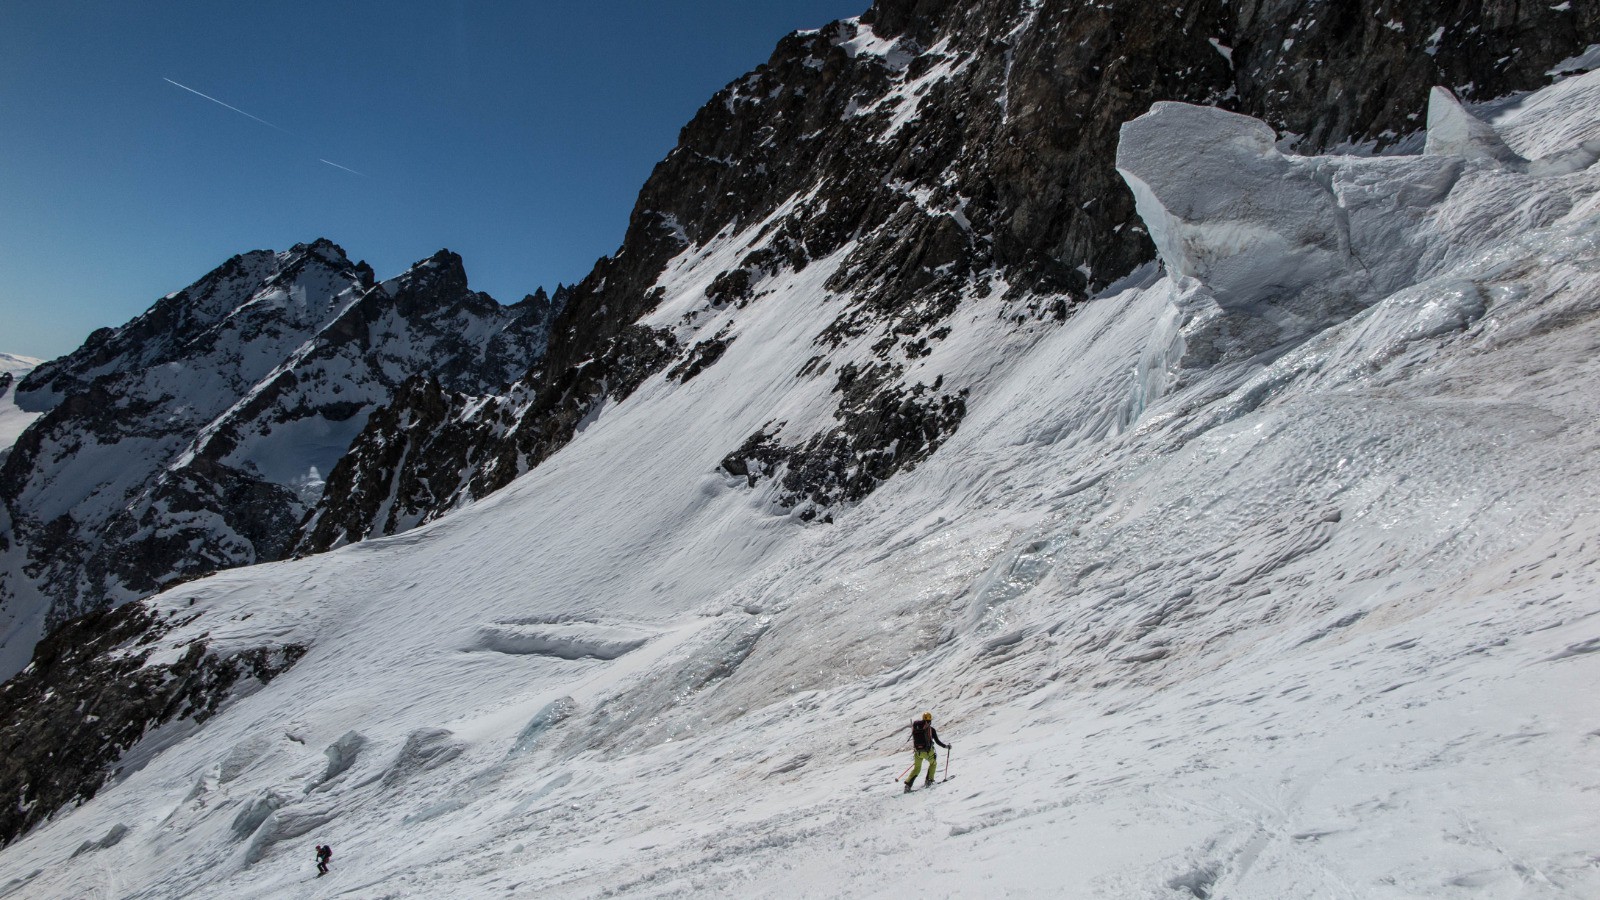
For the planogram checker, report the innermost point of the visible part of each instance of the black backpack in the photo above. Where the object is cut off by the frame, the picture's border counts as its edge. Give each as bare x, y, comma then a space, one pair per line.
921, 735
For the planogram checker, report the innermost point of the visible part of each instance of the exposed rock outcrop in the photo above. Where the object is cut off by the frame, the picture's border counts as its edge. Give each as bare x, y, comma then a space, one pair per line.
880, 432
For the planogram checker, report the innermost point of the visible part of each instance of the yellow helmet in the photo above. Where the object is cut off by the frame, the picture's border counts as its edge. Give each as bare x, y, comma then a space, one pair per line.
927, 717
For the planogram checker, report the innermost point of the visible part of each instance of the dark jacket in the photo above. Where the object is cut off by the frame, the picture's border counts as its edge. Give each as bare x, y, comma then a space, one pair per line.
924, 736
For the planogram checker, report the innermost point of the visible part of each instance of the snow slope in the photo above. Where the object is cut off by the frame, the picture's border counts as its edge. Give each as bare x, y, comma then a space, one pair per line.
1212, 603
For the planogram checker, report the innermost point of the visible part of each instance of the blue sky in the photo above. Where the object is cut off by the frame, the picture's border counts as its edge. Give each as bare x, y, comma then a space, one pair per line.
515, 133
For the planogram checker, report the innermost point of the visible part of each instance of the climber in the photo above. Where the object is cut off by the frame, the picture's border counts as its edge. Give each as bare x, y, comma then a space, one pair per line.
324, 853
923, 737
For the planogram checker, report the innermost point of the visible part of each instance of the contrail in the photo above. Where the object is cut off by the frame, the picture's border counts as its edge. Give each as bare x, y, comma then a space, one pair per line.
258, 119
337, 166
220, 103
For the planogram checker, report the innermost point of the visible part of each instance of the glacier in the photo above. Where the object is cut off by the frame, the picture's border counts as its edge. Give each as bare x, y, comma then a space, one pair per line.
1268, 574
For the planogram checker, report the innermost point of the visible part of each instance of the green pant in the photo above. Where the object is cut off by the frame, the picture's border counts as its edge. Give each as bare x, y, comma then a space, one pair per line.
916, 765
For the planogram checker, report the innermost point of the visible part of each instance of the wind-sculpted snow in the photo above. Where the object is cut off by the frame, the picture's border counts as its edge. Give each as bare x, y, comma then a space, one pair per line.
1209, 603
565, 640
1281, 246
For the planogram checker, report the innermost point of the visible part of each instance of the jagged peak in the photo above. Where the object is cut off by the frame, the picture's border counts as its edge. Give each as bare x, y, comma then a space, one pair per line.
539, 299
167, 330
443, 257
323, 249
443, 272
322, 254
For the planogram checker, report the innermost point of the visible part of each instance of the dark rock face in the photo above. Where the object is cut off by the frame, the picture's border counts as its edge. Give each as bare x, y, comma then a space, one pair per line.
5, 383
881, 431
195, 437
1362, 71
701, 356
407, 465
960, 148
89, 696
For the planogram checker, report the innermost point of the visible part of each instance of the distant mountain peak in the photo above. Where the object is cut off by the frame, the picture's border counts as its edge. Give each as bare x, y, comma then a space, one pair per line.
443, 270
326, 250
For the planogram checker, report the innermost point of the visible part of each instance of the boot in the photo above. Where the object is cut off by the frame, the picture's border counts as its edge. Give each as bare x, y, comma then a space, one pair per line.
908, 787
927, 782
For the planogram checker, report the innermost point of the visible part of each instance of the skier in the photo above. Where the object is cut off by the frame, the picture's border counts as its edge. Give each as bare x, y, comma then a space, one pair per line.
324, 853
923, 737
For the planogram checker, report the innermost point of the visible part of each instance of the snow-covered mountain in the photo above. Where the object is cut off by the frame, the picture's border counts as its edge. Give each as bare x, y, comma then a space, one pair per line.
195, 437
1262, 571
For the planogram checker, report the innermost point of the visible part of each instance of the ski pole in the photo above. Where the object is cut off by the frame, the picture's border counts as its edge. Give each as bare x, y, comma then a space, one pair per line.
903, 774
949, 763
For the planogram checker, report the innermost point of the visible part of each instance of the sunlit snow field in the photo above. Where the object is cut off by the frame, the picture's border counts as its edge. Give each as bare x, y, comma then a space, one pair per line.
1305, 619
